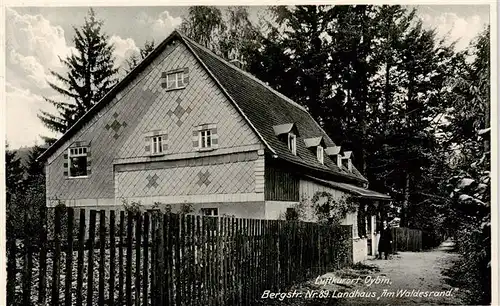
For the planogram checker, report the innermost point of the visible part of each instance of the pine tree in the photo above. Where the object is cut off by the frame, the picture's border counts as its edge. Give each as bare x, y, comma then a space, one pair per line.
91, 74
295, 60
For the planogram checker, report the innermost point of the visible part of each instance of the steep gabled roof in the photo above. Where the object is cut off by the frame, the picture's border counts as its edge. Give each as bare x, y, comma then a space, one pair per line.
259, 104
265, 108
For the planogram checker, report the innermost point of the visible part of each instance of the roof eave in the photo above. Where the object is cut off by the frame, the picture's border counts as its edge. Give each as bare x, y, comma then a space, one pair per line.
108, 97
227, 94
327, 172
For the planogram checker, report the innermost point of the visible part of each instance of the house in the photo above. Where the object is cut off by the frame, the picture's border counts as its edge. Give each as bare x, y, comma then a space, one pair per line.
187, 127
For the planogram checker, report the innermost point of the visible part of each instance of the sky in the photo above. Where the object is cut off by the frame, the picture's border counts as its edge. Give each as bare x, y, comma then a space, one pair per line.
36, 37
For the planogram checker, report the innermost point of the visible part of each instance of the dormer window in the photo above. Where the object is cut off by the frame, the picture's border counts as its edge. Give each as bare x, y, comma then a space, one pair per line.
292, 143
319, 154
287, 133
346, 161
334, 153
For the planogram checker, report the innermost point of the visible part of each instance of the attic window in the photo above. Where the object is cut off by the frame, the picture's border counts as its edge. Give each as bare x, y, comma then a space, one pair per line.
292, 143
319, 154
156, 145
345, 163
176, 79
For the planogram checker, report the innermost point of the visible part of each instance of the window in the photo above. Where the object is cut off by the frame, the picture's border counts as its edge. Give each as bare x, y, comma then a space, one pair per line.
210, 211
292, 143
176, 80
205, 139
319, 154
77, 162
156, 145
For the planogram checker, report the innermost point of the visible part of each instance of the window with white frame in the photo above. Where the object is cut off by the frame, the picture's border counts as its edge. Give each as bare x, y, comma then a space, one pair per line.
319, 154
210, 211
292, 143
77, 162
176, 80
156, 145
205, 139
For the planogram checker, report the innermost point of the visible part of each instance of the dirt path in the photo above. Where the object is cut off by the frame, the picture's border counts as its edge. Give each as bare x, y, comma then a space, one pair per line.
419, 274
383, 282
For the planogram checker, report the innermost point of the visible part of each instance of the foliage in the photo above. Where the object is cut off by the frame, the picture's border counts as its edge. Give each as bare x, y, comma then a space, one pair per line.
323, 208
186, 208
469, 184
329, 209
204, 24
229, 33
164, 208
25, 194
133, 207
135, 59
91, 74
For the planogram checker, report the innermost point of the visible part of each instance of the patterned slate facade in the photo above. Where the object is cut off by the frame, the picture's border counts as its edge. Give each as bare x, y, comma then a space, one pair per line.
223, 174
120, 135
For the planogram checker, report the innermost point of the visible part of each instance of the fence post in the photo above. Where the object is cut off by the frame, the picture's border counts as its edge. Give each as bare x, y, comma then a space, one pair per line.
138, 239
81, 254
90, 271
112, 255
146, 262
121, 233
43, 257
102, 254
128, 266
28, 263
11, 268
57, 257
69, 258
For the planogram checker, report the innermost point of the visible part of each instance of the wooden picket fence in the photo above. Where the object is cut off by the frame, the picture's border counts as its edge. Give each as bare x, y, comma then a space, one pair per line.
406, 239
124, 258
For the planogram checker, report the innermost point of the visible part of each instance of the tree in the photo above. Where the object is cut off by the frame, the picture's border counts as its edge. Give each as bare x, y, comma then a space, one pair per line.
240, 36
91, 74
135, 59
228, 33
205, 25
14, 190
14, 174
469, 184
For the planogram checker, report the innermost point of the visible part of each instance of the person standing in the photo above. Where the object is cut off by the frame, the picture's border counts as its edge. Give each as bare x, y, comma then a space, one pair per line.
385, 241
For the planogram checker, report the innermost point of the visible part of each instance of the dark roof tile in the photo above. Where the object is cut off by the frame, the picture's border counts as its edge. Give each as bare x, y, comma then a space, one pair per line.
266, 108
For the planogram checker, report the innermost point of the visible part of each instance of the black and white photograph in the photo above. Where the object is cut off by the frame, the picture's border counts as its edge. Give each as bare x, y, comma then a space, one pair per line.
299, 155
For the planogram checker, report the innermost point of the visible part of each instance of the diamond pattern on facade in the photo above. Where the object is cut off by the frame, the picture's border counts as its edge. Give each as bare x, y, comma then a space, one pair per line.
177, 112
115, 126
142, 107
203, 178
228, 178
152, 181
131, 104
